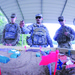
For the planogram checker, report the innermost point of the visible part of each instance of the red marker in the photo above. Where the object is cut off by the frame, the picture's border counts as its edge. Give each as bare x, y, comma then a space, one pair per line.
0, 71
40, 48
25, 48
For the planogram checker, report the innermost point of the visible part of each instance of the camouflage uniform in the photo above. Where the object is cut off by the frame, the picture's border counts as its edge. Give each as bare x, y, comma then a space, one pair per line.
63, 40
31, 39
15, 30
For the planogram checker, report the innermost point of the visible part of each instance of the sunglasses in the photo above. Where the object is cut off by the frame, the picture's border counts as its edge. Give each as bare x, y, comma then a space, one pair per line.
60, 20
38, 17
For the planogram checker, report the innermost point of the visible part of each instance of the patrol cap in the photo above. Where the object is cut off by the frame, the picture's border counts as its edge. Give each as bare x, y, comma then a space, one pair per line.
13, 15
60, 18
38, 15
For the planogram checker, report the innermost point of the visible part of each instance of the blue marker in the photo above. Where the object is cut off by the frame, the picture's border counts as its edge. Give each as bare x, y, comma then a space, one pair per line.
37, 54
4, 59
69, 52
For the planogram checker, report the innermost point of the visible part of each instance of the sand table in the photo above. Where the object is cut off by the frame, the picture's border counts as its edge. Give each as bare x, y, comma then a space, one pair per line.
28, 64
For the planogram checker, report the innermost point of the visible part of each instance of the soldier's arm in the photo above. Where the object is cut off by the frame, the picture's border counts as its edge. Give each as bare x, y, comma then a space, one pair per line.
30, 27
24, 30
3, 35
70, 34
49, 40
56, 35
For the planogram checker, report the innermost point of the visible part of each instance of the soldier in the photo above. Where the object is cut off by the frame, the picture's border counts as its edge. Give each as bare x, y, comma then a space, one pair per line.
11, 32
64, 35
39, 34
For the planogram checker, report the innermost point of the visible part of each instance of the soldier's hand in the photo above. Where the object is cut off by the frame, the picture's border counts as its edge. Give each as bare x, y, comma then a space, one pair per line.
66, 33
10, 44
22, 24
6, 44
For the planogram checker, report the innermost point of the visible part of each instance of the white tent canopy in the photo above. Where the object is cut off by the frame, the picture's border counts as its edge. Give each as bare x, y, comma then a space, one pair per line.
50, 9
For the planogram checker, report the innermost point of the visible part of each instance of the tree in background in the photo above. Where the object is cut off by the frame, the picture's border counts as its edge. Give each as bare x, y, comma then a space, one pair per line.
3, 22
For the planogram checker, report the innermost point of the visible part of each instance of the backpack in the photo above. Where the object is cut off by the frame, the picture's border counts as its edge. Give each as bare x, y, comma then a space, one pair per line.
10, 31
38, 36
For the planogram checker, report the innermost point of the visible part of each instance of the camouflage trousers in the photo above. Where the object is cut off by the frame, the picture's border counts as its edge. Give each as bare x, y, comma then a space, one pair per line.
65, 45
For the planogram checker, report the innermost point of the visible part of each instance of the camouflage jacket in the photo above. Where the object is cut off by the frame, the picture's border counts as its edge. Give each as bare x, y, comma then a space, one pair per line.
61, 37
13, 42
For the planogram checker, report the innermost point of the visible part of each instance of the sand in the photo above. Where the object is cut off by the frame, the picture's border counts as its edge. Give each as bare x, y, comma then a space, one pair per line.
26, 64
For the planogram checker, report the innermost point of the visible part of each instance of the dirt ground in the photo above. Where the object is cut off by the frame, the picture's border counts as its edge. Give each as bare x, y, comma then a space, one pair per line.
26, 64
